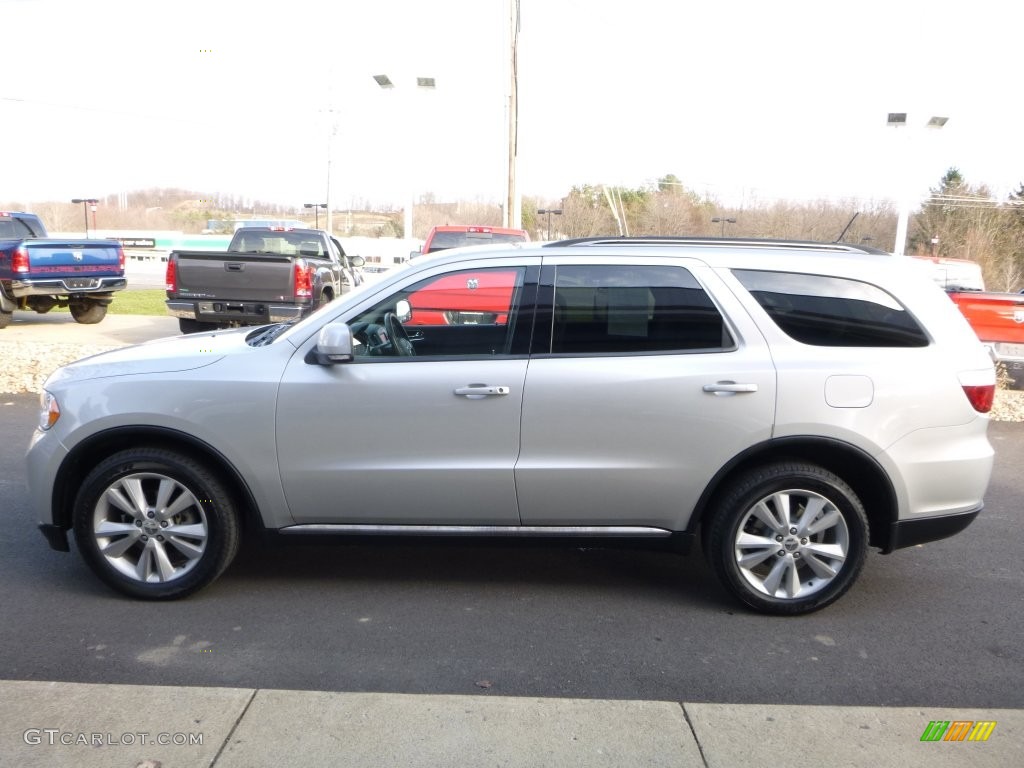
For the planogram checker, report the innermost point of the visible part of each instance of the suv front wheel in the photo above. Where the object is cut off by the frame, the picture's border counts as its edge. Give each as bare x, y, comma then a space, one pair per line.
788, 538
155, 524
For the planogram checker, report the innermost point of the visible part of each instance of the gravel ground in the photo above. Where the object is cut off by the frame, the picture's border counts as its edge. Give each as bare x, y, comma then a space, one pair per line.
27, 364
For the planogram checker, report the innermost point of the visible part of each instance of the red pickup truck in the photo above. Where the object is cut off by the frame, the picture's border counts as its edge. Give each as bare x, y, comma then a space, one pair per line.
998, 319
459, 235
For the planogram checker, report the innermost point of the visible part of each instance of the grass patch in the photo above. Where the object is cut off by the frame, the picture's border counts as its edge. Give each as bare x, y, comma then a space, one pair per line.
141, 301
137, 301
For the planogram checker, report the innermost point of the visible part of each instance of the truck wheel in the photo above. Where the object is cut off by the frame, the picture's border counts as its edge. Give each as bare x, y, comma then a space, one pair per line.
788, 538
155, 524
87, 312
188, 325
5, 319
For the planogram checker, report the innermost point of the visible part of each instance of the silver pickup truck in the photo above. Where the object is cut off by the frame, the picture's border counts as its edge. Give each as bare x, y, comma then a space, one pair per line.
267, 275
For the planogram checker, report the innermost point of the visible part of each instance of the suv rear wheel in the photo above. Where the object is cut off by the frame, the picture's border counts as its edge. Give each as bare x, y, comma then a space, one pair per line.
788, 538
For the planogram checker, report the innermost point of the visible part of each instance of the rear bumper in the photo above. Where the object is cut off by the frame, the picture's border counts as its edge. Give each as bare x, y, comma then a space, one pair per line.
67, 285
908, 533
245, 312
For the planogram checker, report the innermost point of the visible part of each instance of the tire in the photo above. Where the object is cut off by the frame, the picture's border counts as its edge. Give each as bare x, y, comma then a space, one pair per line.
5, 318
188, 325
155, 524
788, 538
87, 312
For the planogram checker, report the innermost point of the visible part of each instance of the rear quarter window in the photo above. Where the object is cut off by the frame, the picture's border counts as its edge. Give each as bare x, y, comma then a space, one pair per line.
830, 311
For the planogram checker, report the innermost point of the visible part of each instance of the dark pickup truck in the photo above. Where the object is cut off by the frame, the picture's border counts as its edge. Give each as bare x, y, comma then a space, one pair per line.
267, 275
39, 273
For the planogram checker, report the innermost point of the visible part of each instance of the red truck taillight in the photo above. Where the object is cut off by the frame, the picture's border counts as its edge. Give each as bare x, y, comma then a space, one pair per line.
120, 258
171, 277
19, 261
303, 280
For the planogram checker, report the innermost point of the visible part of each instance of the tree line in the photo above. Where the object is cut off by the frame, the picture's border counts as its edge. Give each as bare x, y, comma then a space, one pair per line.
959, 220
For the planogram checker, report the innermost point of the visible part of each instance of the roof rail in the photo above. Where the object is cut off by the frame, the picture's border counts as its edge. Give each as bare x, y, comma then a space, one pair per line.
750, 242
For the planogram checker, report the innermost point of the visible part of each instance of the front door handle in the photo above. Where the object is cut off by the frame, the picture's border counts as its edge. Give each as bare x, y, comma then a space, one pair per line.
729, 388
477, 391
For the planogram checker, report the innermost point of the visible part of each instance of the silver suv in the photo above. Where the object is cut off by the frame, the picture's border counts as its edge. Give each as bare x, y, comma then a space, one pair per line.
788, 404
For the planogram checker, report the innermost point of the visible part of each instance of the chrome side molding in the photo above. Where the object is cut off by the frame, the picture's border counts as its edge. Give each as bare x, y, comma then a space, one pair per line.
583, 531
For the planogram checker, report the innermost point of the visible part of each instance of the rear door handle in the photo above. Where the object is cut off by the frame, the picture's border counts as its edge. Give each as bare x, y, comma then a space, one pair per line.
477, 391
729, 388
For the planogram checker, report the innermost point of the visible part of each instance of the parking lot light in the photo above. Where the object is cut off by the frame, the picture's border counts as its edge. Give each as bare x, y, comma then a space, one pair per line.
316, 211
549, 211
723, 220
899, 120
86, 202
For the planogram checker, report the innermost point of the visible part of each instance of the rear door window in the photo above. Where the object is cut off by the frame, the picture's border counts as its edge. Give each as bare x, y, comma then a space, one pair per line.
617, 309
832, 311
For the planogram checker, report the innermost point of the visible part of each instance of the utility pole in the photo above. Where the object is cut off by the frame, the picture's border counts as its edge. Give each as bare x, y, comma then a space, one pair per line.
513, 206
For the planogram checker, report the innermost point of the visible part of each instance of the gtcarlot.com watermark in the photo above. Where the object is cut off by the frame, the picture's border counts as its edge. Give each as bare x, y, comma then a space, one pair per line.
53, 737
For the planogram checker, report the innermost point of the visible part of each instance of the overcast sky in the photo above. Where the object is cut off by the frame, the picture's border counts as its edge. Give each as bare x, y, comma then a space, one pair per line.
741, 100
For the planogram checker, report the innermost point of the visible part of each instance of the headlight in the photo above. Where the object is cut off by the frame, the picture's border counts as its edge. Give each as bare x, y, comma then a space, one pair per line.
49, 410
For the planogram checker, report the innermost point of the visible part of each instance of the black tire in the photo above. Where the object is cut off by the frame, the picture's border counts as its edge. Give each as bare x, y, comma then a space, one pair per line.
5, 318
804, 538
174, 531
188, 325
87, 312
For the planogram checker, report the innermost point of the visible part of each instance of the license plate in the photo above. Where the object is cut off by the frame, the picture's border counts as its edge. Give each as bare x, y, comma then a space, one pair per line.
1009, 350
80, 283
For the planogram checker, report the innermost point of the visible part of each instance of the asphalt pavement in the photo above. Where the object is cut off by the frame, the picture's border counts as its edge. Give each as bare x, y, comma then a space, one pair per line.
57, 723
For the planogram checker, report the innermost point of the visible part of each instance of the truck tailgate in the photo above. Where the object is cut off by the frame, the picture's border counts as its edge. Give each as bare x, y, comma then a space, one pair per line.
993, 316
235, 276
70, 259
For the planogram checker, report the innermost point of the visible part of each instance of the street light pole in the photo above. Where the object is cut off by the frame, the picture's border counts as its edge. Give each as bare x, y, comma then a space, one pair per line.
724, 221
549, 211
316, 211
422, 83
899, 120
86, 202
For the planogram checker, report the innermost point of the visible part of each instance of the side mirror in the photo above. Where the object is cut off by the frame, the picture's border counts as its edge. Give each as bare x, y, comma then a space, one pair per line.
356, 261
333, 345
403, 310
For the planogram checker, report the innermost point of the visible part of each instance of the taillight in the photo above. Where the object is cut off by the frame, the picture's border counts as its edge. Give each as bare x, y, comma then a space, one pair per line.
120, 258
19, 261
981, 396
303, 280
171, 277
